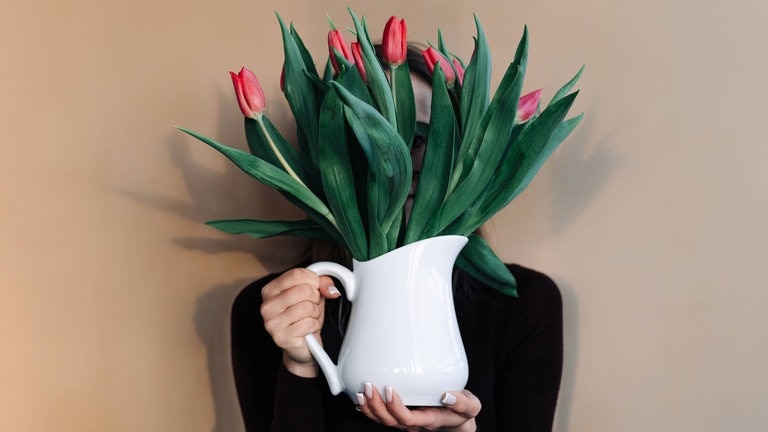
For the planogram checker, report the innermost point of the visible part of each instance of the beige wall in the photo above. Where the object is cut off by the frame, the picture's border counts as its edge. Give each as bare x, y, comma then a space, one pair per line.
114, 297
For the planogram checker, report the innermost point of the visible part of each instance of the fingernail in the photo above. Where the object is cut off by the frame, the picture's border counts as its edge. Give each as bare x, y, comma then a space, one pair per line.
360, 399
332, 290
449, 399
388, 394
368, 389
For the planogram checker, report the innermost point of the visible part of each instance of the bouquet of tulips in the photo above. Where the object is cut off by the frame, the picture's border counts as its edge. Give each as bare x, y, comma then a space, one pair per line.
352, 170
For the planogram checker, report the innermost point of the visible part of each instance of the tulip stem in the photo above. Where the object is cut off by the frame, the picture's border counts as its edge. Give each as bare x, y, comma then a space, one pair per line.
327, 213
393, 89
279, 155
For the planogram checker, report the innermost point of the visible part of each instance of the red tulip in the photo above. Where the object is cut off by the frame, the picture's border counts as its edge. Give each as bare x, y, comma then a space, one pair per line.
527, 106
250, 95
432, 57
394, 44
357, 54
459, 70
337, 42
282, 79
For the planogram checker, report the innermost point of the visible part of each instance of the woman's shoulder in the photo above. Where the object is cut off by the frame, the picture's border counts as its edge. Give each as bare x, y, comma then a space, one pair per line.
535, 291
532, 282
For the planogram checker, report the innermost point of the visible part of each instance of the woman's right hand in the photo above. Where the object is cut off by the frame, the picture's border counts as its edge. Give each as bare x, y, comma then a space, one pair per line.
293, 306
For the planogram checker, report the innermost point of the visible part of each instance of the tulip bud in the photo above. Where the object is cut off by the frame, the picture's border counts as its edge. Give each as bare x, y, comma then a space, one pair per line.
282, 79
337, 42
433, 57
528, 106
459, 70
394, 44
250, 95
358, 56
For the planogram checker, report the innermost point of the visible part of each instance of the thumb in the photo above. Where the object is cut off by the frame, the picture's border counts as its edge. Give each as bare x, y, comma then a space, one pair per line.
462, 402
327, 289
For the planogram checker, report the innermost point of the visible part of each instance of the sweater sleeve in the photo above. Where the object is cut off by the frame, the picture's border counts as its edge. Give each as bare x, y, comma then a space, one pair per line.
271, 398
532, 357
298, 403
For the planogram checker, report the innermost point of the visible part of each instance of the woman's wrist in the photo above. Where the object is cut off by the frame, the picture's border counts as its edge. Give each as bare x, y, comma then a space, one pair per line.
304, 370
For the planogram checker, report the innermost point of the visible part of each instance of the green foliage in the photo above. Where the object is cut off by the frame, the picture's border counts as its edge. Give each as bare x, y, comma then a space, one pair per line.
265, 229
479, 261
353, 169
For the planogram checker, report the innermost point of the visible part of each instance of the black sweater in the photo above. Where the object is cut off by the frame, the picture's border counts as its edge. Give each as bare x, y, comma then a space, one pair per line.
514, 348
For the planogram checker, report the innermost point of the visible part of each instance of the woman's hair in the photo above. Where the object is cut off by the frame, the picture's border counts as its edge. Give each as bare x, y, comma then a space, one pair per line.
415, 60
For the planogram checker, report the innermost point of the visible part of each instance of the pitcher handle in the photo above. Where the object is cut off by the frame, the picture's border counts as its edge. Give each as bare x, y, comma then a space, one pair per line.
347, 279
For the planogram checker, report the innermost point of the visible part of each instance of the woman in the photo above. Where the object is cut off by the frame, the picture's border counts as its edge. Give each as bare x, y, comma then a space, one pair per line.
514, 348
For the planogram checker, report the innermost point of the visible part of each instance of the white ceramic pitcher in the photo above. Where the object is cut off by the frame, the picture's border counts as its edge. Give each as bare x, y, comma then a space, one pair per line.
402, 329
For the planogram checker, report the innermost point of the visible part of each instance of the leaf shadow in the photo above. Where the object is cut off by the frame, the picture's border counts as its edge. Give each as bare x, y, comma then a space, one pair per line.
578, 173
212, 323
221, 192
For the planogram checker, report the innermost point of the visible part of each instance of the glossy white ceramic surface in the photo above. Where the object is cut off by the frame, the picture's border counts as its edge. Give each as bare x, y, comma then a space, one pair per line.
402, 330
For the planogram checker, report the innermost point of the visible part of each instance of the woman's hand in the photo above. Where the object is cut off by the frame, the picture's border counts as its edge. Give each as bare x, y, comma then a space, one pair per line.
458, 415
293, 306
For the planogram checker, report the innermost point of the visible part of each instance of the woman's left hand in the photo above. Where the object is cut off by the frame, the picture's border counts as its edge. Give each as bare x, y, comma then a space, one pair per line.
458, 414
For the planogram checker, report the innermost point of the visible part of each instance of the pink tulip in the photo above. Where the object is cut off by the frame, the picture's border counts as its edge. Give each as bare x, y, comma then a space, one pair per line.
433, 57
394, 43
250, 95
358, 56
459, 70
527, 106
337, 42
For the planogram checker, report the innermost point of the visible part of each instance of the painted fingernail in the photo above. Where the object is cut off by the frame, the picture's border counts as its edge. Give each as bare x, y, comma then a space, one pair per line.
360, 399
332, 290
368, 389
448, 399
388, 394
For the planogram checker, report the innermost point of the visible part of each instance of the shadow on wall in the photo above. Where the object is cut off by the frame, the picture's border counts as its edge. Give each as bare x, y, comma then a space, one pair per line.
571, 356
226, 193
212, 323
222, 194
579, 170
231, 194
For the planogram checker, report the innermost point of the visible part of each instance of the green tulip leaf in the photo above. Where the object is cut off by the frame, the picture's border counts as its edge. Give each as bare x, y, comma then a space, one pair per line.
475, 91
567, 87
377, 80
309, 62
270, 175
338, 177
521, 53
300, 93
523, 160
328, 71
272, 228
559, 135
437, 163
513, 76
259, 134
405, 107
480, 262
487, 155
353, 82
389, 174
